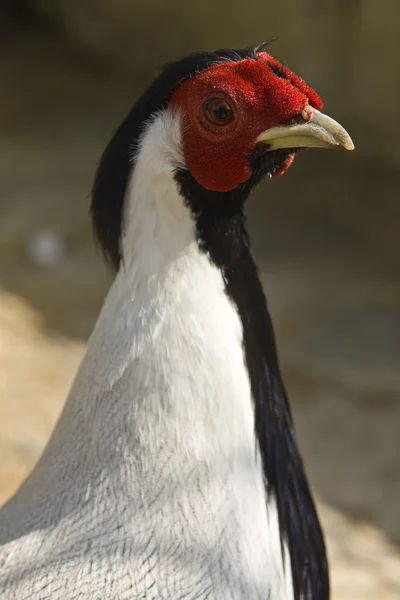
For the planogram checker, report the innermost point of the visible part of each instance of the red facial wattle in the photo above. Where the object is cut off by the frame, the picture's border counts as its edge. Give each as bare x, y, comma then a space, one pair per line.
284, 167
263, 94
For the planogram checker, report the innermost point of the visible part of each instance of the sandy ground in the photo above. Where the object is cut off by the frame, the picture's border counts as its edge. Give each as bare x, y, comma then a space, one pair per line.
327, 238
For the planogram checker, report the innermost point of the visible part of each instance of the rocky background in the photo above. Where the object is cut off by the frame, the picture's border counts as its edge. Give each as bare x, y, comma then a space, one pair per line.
326, 235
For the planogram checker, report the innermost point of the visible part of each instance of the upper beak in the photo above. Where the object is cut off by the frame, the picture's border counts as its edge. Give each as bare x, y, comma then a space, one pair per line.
316, 131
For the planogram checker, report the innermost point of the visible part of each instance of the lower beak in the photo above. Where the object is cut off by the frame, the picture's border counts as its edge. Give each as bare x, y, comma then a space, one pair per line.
316, 131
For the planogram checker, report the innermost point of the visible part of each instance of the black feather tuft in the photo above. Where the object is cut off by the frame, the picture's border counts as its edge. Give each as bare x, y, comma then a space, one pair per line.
261, 47
112, 176
277, 70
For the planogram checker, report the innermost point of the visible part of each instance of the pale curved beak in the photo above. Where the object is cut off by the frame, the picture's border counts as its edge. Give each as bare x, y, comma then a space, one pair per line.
315, 131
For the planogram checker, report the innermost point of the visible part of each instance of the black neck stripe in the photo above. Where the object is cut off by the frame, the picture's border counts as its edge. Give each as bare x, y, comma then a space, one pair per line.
221, 232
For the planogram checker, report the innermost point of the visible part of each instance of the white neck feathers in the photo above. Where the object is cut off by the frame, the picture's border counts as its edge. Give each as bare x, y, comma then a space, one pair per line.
155, 453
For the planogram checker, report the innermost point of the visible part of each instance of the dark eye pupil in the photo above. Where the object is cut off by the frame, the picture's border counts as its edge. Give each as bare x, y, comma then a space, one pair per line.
218, 112
221, 112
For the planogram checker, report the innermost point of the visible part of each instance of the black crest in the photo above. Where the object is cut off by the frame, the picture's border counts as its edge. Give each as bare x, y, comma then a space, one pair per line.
117, 161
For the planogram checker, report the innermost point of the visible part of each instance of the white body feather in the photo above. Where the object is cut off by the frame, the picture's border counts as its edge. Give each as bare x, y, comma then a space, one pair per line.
151, 486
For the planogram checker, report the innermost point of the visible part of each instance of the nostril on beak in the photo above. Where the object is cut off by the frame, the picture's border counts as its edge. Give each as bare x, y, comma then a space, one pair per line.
306, 113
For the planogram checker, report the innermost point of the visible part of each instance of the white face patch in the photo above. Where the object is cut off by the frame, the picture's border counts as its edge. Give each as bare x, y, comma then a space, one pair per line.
160, 146
156, 223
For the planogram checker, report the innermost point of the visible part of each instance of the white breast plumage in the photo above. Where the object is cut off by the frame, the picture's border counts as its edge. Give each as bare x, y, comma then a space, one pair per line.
152, 484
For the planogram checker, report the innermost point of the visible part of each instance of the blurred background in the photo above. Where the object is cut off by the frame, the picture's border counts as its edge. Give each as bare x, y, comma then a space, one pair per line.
326, 234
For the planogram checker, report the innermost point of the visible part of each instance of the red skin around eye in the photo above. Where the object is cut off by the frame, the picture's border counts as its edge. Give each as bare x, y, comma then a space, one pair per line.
218, 158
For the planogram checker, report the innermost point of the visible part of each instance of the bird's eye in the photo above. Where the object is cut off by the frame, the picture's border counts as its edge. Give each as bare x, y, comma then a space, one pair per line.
218, 112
